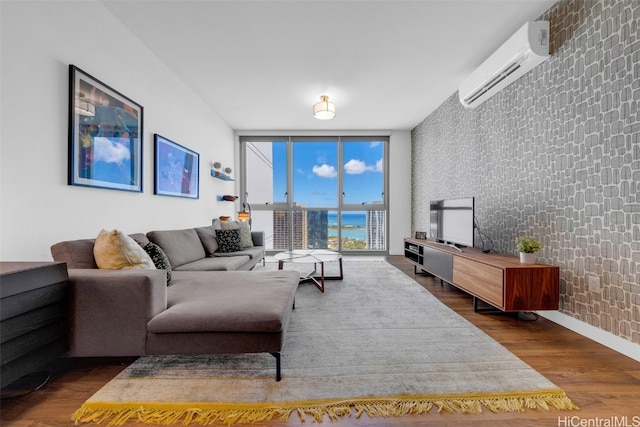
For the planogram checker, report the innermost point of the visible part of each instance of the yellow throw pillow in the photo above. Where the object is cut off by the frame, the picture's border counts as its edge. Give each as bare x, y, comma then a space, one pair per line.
114, 250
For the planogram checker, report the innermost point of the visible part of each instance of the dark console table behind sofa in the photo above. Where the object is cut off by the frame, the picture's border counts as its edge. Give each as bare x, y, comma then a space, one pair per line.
33, 312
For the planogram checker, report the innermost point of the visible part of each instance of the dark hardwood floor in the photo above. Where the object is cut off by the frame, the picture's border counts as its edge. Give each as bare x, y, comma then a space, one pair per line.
603, 383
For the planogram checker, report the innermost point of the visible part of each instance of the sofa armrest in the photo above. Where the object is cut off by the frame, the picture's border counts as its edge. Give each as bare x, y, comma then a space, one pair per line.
109, 310
258, 238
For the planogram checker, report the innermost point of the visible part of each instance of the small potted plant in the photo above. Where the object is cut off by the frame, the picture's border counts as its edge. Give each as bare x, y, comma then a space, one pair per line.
528, 246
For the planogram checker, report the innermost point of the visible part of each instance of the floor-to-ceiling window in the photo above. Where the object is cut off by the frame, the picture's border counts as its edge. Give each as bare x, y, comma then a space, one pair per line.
317, 192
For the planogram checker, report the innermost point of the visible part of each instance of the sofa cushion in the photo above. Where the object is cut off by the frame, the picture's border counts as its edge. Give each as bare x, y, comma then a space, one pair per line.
228, 240
76, 253
253, 252
234, 301
114, 250
207, 236
245, 231
141, 238
159, 259
216, 264
181, 246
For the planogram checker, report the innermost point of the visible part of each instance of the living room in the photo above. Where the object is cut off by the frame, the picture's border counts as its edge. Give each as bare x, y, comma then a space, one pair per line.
540, 158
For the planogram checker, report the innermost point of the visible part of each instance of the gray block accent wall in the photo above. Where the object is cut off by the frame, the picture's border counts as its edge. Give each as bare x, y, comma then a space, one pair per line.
555, 155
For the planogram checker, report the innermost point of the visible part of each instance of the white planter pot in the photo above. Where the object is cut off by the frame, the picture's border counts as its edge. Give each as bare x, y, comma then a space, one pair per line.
526, 258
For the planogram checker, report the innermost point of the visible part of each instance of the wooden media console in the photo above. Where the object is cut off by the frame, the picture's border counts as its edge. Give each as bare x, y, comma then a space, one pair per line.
499, 280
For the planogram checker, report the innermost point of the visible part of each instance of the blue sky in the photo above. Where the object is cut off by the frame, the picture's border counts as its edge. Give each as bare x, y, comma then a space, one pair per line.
315, 172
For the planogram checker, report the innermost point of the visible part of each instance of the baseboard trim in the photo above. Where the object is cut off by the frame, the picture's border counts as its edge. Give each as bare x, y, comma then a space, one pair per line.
598, 335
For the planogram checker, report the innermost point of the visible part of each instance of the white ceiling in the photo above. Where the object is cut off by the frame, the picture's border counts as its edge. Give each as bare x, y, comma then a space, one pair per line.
262, 64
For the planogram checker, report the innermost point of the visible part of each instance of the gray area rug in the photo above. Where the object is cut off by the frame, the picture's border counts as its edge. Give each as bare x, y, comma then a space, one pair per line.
375, 343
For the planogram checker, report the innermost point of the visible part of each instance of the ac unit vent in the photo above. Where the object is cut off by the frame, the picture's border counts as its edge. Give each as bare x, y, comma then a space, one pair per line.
526, 49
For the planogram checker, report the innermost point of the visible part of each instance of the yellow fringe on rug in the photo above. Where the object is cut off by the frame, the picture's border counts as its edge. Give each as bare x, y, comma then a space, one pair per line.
208, 413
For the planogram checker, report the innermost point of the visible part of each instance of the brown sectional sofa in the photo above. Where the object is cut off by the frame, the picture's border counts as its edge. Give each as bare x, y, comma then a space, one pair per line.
207, 308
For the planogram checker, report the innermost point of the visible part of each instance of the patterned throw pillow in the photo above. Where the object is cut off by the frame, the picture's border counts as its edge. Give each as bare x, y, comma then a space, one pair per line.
245, 232
159, 258
228, 240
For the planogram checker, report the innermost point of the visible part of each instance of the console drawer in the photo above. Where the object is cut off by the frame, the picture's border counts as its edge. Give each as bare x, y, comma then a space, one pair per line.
481, 280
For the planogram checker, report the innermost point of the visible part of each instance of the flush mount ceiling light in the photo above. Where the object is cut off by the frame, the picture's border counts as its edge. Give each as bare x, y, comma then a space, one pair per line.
324, 110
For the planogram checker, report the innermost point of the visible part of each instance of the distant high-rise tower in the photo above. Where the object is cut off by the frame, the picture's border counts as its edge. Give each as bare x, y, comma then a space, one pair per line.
281, 229
375, 228
299, 229
317, 229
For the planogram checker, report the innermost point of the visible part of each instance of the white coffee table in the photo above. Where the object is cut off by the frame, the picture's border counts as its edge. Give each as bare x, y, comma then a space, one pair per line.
315, 256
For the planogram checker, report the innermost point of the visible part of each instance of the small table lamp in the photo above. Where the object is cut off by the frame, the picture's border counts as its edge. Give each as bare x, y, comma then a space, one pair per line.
244, 215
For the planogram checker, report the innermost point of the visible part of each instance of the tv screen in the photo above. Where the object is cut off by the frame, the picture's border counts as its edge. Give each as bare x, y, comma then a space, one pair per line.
451, 221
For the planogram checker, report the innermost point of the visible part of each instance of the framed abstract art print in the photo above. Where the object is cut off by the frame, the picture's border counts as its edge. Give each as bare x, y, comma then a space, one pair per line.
105, 135
176, 169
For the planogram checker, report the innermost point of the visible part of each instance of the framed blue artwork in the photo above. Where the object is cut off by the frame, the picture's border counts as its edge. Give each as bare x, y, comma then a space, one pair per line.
105, 135
177, 169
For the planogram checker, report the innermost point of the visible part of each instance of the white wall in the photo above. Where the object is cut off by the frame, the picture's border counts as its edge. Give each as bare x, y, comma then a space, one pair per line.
400, 190
39, 39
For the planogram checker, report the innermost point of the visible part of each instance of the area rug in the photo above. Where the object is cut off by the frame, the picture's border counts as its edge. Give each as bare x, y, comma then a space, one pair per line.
376, 343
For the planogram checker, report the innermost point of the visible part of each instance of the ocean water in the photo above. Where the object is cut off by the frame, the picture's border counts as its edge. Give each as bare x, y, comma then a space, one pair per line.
355, 220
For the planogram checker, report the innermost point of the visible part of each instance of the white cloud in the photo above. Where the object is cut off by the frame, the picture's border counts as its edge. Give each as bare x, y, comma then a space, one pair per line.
356, 167
110, 152
325, 171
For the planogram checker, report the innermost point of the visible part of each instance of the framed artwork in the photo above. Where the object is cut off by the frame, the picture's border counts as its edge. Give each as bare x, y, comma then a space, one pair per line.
177, 169
421, 235
105, 135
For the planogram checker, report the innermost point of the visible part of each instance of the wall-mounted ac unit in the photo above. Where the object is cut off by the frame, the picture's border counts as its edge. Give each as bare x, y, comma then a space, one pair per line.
527, 48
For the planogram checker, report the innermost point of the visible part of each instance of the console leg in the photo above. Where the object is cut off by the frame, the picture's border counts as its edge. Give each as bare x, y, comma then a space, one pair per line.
278, 373
490, 309
415, 271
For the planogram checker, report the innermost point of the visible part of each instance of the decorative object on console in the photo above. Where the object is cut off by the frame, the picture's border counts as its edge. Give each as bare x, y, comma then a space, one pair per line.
422, 235
528, 246
324, 110
177, 169
102, 120
227, 198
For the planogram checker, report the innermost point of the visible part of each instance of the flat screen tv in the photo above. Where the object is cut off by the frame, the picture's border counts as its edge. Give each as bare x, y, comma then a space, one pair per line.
451, 221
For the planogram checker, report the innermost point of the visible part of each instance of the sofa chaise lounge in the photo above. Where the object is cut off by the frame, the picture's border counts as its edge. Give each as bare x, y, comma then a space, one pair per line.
208, 307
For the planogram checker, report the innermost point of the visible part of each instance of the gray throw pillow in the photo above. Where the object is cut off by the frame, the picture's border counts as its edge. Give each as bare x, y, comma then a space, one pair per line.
207, 236
229, 240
